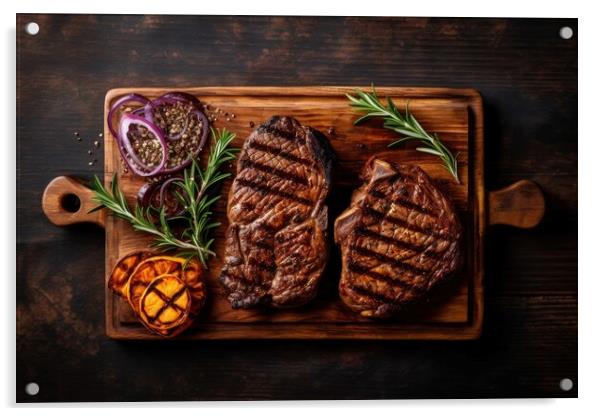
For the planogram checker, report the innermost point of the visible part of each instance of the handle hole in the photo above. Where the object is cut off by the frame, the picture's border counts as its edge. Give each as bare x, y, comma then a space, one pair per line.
70, 203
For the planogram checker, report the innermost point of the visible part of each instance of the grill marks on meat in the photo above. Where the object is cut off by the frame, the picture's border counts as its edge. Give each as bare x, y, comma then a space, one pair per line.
276, 247
273, 170
399, 238
258, 186
278, 152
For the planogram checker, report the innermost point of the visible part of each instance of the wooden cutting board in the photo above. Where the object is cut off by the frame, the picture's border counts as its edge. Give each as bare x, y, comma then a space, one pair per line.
456, 312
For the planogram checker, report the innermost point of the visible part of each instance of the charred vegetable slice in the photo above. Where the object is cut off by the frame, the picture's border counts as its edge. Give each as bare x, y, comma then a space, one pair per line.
165, 293
120, 275
190, 272
165, 305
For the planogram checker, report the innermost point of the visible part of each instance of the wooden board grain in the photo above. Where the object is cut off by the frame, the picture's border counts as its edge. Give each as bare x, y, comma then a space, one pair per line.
455, 114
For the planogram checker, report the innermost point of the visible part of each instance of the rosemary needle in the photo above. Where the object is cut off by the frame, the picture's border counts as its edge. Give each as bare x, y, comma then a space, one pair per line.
194, 240
404, 124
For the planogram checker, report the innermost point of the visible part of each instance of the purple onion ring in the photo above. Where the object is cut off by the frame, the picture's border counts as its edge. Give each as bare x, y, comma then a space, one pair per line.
155, 105
137, 98
164, 189
126, 121
202, 140
144, 116
148, 192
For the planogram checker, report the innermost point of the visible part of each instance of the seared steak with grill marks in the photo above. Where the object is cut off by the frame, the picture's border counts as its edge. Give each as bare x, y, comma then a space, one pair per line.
399, 238
276, 245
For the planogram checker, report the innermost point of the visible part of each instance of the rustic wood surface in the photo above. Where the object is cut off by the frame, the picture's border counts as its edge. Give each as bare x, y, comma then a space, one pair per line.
528, 78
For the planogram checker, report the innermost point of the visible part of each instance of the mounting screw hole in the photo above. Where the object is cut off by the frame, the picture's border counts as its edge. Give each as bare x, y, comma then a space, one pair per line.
32, 28
566, 32
566, 384
32, 389
70, 202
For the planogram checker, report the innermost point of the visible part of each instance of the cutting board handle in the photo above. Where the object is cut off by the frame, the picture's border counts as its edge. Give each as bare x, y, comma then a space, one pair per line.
521, 205
67, 200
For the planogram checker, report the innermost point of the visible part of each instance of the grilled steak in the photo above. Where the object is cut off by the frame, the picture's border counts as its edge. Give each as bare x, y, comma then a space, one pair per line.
399, 238
276, 246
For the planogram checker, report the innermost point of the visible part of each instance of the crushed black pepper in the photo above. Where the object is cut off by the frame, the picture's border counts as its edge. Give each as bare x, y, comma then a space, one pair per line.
176, 120
146, 145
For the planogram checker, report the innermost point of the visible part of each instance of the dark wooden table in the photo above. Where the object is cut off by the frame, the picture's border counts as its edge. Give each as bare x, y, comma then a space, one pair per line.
527, 75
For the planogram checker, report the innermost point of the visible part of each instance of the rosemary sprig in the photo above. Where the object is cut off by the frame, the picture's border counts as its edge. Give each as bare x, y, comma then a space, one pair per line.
404, 124
194, 240
194, 191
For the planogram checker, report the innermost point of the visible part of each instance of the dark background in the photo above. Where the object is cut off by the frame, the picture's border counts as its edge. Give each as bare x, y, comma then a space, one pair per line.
527, 75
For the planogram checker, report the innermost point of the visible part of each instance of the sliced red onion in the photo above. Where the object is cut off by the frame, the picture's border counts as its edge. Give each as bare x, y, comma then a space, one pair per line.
148, 112
150, 108
183, 97
139, 112
163, 194
178, 136
154, 195
137, 98
202, 140
144, 116
124, 143
170, 99
147, 192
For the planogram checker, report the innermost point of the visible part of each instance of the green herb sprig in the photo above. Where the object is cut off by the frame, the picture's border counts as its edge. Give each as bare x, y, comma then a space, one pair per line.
194, 196
404, 124
194, 240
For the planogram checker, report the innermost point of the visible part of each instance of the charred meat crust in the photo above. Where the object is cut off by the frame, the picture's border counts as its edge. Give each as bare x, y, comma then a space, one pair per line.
399, 239
276, 243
